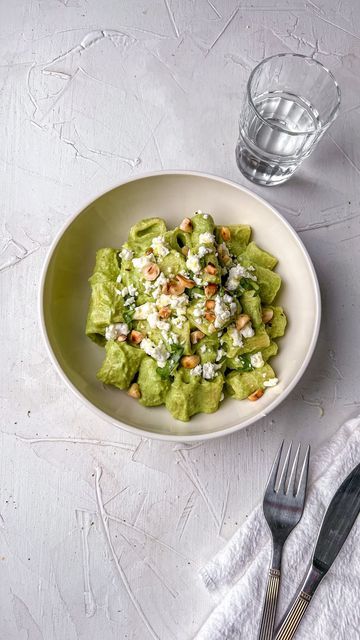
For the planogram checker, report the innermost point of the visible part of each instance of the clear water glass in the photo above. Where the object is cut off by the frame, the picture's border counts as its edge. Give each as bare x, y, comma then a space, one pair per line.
291, 100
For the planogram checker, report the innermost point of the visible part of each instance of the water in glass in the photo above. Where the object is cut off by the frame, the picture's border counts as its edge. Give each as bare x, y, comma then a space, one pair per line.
284, 115
268, 150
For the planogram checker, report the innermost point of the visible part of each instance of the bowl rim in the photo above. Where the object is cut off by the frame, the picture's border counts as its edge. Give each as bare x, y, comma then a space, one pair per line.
183, 437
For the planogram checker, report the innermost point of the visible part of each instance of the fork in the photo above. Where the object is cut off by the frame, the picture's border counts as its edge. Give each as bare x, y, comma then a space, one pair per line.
283, 507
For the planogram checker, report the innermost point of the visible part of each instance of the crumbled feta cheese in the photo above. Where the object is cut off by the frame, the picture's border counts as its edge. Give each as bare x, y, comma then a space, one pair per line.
179, 322
247, 331
197, 296
170, 337
223, 311
164, 300
235, 275
178, 305
123, 328
148, 346
154, 288
193, 263
199, 310
118, 292
235, 336
159, 282
209, 370
148, 286
144, 310
161, 355
196, 371
206, 215
203, 348
153, 319
118, 279
128, 291
197, 280
179, 302
203, 251
115, 330
161, 279
257, 360
160, 247
206, 238
220, 354
163, 326
271, 383
140, 263
126, 254
158, 352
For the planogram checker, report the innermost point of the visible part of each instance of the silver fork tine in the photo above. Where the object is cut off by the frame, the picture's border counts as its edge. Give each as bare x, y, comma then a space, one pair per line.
274, 470
284, 473
292, 478
300, 494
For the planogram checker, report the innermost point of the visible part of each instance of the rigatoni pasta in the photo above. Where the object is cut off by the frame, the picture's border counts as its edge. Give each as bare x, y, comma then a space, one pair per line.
186, 315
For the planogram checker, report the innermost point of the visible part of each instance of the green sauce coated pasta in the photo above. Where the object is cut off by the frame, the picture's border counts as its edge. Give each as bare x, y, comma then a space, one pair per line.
186, 315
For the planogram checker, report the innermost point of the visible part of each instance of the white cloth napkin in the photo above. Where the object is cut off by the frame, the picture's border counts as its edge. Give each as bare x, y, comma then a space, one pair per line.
238, 572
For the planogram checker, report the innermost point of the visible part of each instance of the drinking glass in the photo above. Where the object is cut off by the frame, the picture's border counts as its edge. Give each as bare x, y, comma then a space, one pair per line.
291, 100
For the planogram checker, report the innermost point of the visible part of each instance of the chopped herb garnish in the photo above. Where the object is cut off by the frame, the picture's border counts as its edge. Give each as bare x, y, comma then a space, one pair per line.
203, 261
176, 352
197, 291
128, 315
246, 284
244, 363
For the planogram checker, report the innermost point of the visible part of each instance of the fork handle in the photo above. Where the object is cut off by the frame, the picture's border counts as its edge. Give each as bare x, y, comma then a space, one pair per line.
270, 605
293, 617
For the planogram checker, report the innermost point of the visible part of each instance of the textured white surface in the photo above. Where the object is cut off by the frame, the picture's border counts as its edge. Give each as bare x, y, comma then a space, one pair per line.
92, 93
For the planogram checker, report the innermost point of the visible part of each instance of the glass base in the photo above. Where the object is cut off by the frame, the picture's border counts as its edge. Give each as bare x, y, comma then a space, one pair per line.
261, 171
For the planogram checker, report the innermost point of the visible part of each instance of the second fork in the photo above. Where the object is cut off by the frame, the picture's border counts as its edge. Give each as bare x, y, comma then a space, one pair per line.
283, 506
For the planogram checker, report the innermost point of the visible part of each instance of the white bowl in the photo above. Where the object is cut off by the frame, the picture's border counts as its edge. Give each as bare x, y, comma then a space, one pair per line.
64, 296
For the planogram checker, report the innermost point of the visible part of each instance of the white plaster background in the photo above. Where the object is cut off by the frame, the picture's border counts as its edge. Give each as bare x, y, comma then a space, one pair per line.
93, 92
